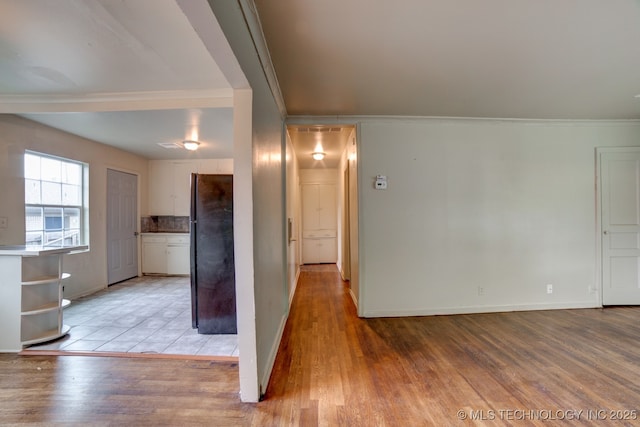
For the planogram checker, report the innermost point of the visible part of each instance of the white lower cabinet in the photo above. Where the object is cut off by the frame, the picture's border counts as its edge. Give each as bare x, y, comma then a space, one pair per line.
165, 253
319, 247
154, 255
178, 258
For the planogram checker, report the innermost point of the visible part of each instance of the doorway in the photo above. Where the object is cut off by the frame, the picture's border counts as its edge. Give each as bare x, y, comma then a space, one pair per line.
326, 168
619, 171
346, 250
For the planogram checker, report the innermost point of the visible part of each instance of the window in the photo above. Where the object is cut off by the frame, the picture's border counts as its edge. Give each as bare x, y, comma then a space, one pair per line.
55, 200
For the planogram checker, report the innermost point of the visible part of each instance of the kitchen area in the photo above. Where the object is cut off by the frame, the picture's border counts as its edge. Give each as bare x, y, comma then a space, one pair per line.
156, 312
165, 231
165, 245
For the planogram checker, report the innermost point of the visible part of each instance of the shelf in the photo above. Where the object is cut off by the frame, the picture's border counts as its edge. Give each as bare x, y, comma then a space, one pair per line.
45, 279
48, 336
31, 297
49, 307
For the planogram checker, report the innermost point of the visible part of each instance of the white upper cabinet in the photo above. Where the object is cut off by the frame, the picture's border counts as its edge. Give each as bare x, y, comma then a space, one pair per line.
169, 187
170, 183
319, 210
182, 187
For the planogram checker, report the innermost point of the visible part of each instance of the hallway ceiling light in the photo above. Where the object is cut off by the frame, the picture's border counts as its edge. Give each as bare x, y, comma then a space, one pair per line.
318, 155
190, 145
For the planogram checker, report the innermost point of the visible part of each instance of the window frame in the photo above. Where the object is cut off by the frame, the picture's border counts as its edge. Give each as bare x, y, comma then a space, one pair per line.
83, 207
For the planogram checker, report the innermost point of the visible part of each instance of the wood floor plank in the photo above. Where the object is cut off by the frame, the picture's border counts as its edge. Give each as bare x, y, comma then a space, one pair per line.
423, 370
334, 368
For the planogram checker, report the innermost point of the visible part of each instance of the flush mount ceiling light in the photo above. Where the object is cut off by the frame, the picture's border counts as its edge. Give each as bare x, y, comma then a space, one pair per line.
190, 145
318, 155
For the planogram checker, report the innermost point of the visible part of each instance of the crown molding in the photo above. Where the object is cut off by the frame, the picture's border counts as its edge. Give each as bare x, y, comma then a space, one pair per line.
116, 101
250, 13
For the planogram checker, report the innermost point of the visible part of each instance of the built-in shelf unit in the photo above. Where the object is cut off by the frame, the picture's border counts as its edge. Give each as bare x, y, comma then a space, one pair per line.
31, 297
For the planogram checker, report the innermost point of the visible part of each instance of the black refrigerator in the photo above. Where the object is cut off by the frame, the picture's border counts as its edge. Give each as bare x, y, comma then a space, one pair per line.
213, 293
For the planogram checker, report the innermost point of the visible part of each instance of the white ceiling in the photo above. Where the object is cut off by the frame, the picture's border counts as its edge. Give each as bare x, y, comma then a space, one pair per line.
129, 73
328, 139
541, 59
133, 73
140, 132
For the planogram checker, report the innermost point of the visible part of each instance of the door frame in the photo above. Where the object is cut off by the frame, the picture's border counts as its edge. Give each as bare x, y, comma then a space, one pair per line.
346, 226
138, 216
599, 231
355, 239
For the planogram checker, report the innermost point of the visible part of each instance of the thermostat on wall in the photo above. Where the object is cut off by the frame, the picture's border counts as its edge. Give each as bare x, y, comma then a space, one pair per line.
381, 182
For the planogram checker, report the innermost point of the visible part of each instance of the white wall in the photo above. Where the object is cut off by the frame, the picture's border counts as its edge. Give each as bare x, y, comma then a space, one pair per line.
88, 270
349, 160
270, 297
506, 206
293, 213
206, 166
243, 244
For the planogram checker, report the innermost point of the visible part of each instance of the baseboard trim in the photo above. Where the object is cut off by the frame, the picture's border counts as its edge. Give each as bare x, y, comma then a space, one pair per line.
271, 360
295, 286
27, 352
478, 309
353, 298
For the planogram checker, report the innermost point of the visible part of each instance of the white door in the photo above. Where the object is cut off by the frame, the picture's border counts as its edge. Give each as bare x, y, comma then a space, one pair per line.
310, 208
620, 203
122, 240
328, 218
319, 211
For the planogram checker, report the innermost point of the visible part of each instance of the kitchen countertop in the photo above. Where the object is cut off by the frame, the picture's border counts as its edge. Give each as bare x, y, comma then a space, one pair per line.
30, 250
164, 233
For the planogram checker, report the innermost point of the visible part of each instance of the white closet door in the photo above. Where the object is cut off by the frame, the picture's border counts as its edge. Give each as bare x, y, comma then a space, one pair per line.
122, 221
328, 213
310, 217
620, 183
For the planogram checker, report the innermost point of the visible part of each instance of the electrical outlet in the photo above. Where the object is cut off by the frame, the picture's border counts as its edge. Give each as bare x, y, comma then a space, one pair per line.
4, 222
549, 288
480, 291
381, 182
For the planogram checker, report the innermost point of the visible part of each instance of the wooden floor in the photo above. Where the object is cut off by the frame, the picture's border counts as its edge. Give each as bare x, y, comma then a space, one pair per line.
525, 368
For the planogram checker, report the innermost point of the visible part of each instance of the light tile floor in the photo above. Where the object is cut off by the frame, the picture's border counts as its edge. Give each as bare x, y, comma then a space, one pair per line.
143, 315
